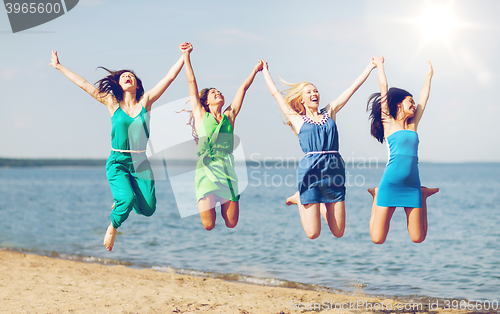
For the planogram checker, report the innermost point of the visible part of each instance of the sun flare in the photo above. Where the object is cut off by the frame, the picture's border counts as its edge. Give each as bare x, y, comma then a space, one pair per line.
437, 22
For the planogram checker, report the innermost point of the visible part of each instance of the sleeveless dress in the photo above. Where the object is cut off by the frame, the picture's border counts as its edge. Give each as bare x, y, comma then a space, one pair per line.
321, 173
129, 173
400, 184
215, 173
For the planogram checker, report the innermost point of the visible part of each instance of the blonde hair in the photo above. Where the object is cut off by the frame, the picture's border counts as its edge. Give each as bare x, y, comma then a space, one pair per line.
293, 99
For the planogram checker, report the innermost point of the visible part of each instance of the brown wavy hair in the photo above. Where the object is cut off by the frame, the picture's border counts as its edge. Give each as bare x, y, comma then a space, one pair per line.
203, 94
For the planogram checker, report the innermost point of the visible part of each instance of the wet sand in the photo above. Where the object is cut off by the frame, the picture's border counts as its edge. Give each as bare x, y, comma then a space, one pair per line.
38, 284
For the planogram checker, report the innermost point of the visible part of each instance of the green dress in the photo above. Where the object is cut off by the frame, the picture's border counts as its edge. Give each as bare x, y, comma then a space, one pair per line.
215, 172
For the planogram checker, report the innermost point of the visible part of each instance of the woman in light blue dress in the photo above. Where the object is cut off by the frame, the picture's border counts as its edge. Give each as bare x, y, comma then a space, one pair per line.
394, 118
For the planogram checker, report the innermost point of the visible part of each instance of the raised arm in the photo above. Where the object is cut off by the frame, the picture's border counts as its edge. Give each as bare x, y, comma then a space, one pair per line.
280, 99
80, 81
152, 95
382, 82
338, 103
424, 96
233, 109
196, 107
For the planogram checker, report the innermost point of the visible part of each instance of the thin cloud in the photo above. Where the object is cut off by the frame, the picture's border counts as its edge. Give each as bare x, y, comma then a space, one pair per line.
234, 35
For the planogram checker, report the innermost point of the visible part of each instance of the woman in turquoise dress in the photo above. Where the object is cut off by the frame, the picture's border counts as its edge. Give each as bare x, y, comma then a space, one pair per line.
128, 170
215, 176
321, 172
394, 118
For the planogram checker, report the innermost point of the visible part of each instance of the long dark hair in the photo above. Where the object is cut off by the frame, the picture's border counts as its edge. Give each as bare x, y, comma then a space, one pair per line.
374, 107
110, 84
203, 94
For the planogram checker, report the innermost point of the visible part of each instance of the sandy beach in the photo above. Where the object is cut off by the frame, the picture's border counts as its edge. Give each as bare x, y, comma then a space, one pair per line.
38, 284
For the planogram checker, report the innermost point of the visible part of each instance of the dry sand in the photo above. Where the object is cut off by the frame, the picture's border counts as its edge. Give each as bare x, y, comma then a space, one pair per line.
39, 284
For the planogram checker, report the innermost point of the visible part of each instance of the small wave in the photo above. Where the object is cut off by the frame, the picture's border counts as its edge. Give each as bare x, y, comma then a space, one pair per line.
272, 282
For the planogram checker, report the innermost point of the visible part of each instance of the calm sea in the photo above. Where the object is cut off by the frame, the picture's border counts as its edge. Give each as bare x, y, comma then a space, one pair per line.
65, 211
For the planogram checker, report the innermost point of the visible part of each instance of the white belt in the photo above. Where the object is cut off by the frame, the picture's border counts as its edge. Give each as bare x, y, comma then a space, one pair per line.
128, 151
325, 152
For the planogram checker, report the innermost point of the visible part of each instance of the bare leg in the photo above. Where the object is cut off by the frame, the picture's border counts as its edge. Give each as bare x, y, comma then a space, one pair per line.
311, 219
206, 206
416, 218
109, 237
380, 219
294, 199
230, 212
334, 215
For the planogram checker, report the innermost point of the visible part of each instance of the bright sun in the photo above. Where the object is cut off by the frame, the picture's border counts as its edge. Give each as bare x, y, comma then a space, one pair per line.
437, 22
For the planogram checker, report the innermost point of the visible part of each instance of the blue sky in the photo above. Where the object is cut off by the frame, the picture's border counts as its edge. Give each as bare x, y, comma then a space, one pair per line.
328, 43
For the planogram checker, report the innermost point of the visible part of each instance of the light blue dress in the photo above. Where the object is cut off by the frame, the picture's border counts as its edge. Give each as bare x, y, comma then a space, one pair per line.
400, 184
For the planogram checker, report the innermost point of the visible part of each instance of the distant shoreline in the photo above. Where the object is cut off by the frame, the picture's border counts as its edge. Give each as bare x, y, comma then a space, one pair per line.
101, 162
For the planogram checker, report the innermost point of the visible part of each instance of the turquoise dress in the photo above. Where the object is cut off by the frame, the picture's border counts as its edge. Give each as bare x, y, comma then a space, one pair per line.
321, 172
400, 184
129, 173
215, 173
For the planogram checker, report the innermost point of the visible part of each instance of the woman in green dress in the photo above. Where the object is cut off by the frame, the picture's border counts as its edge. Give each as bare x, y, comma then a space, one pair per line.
215, 178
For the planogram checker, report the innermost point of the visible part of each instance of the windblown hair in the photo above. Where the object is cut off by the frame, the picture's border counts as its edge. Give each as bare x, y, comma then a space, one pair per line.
111, 84
203, 94
394, 97
203, 97
293, 100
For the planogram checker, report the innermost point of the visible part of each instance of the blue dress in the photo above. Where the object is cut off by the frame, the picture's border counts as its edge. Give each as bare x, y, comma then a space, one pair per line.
400, 184
321, 173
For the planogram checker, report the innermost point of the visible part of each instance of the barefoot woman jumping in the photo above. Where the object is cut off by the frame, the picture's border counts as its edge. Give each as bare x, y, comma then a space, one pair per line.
127, 168
394, 118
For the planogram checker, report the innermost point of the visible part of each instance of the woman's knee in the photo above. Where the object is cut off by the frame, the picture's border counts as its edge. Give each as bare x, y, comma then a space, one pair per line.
231, 223
208, 224
312, 233
378, 238
418, 238
149, 209
339, 233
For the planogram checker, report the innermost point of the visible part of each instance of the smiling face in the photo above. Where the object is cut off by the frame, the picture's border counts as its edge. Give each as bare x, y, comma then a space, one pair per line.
408, 107
310, 96
214, 97
128, 81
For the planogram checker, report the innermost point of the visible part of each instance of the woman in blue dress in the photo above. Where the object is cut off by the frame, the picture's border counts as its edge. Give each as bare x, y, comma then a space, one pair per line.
394, 118
321, 172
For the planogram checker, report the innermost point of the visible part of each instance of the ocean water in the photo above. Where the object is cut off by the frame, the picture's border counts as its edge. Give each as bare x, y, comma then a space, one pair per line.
65, 211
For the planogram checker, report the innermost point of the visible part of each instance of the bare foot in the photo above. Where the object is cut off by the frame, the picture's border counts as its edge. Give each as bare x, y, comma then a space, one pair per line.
426, 192
294, 199
373, 191
109, 238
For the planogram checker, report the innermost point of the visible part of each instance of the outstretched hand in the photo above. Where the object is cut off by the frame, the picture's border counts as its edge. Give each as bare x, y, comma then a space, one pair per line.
431, 70
54, 60
378, 61
186, 48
